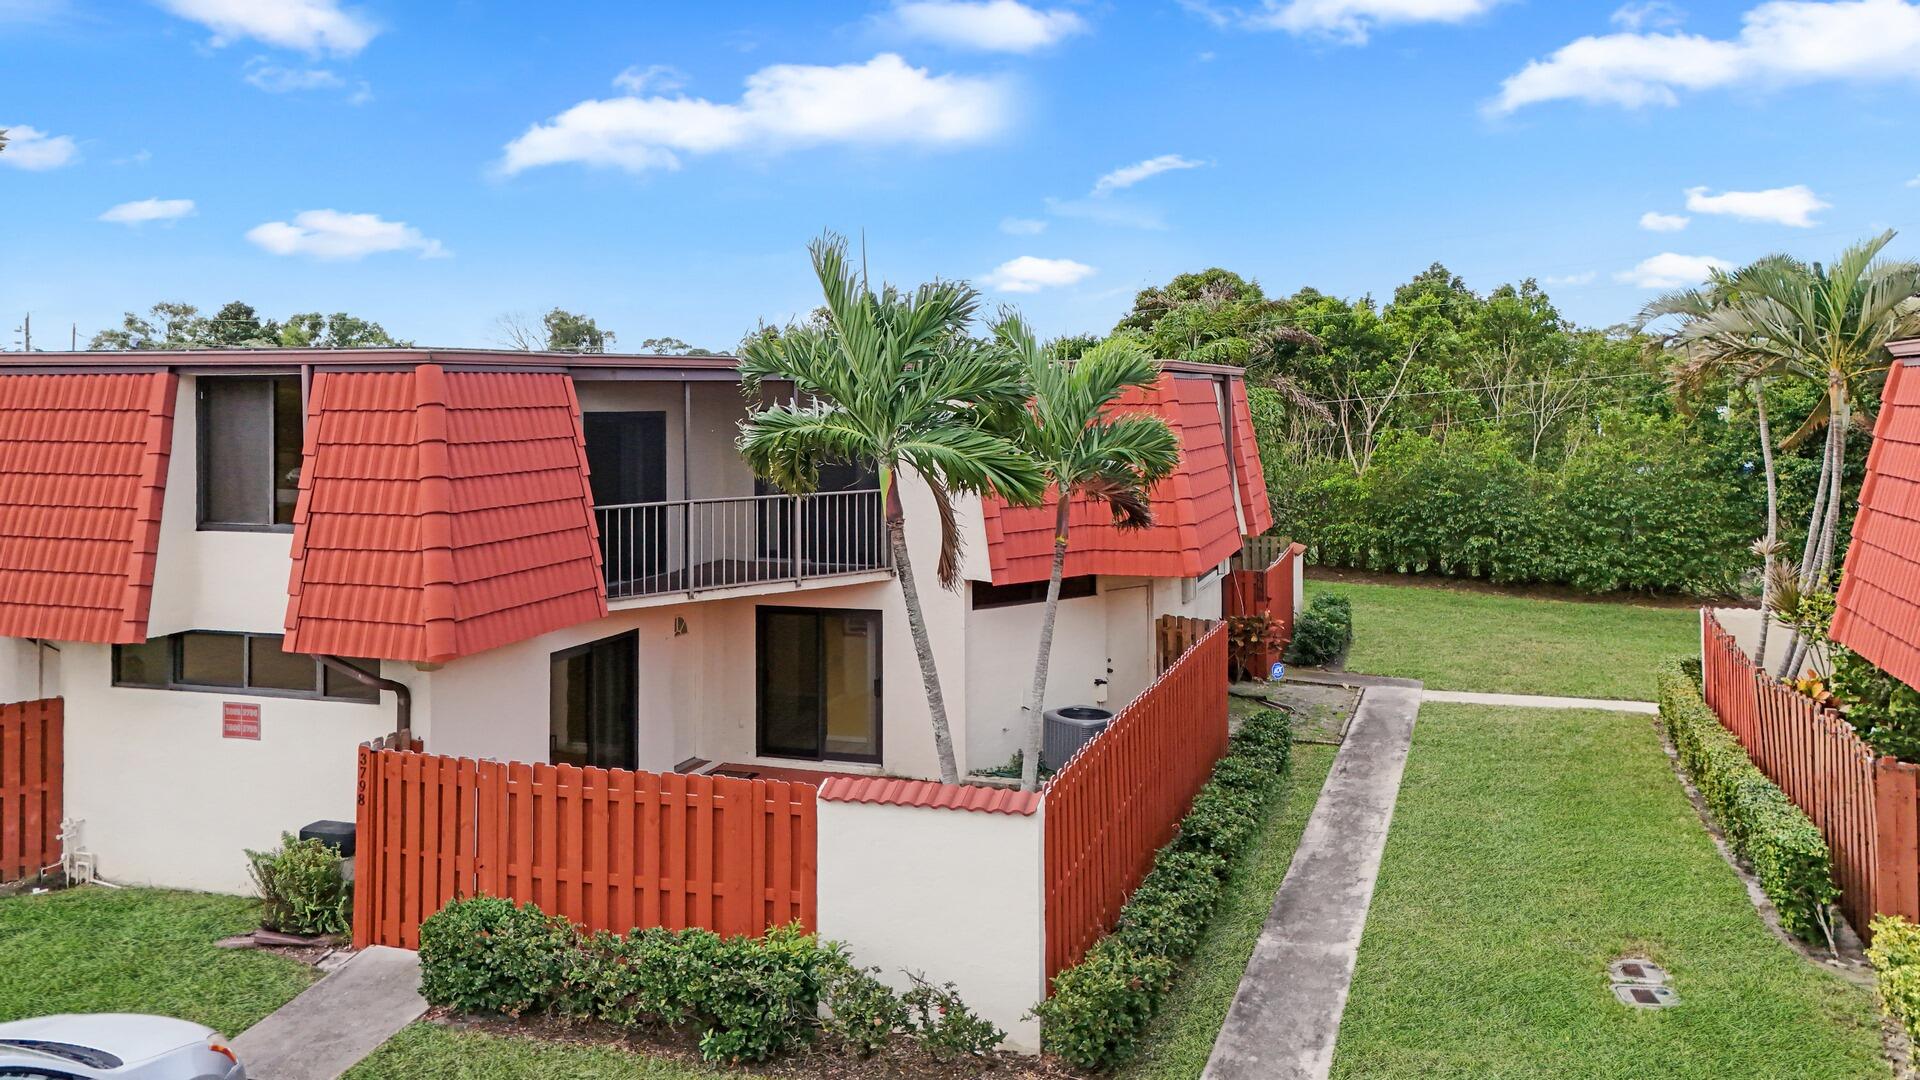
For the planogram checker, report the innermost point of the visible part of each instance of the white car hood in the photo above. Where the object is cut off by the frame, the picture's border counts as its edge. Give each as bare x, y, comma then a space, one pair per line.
131, 1037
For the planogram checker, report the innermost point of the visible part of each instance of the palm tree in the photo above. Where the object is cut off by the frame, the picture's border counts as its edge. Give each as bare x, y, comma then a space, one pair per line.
1701, 362
890, 380
1082, 451
1830, 325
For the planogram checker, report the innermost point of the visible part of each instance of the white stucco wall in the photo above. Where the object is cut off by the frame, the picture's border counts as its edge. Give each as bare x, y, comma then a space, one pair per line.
955, 895
166, 800
1002, 647
213, 579
28, 670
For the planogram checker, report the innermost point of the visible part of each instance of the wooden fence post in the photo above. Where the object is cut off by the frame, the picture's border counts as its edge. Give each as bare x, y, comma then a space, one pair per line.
1896, 879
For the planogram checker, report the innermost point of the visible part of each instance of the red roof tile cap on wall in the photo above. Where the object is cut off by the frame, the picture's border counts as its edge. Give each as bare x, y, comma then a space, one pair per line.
890, 791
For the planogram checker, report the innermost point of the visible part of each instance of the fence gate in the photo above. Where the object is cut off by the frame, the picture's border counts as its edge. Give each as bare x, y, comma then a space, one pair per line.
610, 849
31, 768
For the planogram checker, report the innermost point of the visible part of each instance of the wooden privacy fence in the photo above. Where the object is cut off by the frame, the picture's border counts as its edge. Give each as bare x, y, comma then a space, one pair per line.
1174, 636
1864, 806
31, 767
1116, 802
1266, 589
610, 849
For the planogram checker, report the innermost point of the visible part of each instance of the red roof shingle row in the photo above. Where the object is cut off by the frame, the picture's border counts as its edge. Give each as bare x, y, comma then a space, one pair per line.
930, 794
1877, 610
83, 470
1195, 525
441, 514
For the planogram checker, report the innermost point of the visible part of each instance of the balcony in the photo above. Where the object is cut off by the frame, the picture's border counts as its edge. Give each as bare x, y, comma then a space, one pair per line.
691, 546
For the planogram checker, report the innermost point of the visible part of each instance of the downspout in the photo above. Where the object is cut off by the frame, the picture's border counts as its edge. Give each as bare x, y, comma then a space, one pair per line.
402, 737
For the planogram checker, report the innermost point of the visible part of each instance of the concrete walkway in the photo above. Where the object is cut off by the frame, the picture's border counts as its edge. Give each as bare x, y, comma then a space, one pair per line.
1538, 701
336, 1021
1286, 1012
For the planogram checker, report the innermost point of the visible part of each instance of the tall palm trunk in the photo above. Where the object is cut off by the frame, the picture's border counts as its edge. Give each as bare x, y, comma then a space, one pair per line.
917, 627
1815, 519
1036, 718
1830, 530
1773, 521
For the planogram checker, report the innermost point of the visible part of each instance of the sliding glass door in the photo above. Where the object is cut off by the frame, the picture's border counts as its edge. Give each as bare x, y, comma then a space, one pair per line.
819, 684
594, 705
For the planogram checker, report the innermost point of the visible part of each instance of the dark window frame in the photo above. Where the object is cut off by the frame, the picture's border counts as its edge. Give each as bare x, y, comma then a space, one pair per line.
878, 622
986, 595
203, 462
175, 682
631, 638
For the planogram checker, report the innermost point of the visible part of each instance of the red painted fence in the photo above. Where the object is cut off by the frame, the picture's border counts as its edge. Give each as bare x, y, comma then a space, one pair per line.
1269, 592
1865, 808
31, 767
1111, 807
610, 849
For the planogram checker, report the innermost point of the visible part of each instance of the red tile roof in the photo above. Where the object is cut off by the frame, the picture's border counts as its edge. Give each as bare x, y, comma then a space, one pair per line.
83, 470
1194, 522
1877, 611
441, 514
889, 791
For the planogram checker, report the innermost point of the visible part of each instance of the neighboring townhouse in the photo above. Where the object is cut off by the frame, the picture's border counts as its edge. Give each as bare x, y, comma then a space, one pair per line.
236, 567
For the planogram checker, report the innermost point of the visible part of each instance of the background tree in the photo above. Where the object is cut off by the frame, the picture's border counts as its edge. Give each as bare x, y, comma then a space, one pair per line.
890, 380
1084, 451
172, 324
559, 330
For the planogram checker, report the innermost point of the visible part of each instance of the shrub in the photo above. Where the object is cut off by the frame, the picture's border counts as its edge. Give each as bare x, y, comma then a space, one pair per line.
1895, 955
859, 1010
1785, 850
1322, 632
1884, 710
1100, 1007
946, 1027
302, 888
489, 955
764, 995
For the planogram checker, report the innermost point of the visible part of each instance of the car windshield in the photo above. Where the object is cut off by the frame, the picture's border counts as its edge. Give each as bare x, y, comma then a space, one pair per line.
79, 1055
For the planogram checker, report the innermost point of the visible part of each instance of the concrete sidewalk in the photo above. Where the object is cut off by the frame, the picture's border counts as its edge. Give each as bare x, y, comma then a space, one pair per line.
1286, 1012
1538, 701
337, 1021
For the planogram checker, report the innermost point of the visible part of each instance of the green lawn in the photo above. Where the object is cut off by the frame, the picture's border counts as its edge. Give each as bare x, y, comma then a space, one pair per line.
1182, 1035
424, 1049
1455, 639
96, 949
1529, 848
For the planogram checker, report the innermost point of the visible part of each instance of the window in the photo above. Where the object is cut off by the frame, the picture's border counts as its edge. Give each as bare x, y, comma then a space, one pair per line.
1029, 592
594, 707
217, 661
819, 684
249, 451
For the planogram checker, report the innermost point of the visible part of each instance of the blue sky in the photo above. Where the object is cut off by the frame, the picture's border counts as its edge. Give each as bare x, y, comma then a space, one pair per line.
661, 166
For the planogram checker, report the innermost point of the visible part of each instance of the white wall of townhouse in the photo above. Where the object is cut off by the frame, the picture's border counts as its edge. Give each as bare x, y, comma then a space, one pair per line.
952, 895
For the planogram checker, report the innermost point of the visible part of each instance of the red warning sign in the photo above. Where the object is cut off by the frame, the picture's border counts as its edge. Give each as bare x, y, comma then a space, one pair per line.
239, 720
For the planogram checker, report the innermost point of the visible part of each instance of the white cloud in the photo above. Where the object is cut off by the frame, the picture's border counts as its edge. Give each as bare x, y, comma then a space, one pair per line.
1915, 182
1647, 15
1107, 212
664, 78
1016, 226
1031, 274
1347, 21
141, 211
987, 25
32, 149
1794, 205
275, 79
309, 25
883, 101
1781, 42
331, 234
1668, 271
1128, 175
1585, 277
1655, 221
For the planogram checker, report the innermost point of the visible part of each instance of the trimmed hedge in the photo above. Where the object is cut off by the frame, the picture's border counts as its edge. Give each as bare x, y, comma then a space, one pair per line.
1100, 1007
750, 998
1785, 850
1895, 955
1323, 631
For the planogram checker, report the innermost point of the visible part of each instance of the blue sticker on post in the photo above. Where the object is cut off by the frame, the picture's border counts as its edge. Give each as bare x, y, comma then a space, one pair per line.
1278, 673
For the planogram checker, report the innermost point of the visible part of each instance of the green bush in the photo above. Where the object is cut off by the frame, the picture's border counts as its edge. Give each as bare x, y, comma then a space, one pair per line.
749, 999
944, 1024
1895, 955
1780, 843
1641, 503
301, 887
1322, 632
1884, 710
1100, 1007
